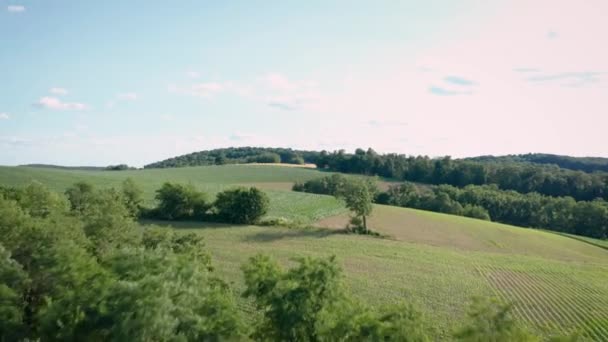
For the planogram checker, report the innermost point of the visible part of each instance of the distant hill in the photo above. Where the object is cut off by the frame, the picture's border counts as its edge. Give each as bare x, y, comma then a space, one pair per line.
50, 166
586, 164
238, 155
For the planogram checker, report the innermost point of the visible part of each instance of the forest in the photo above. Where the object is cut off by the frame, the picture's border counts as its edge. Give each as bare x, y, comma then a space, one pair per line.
586, 164
238, 155
521, 177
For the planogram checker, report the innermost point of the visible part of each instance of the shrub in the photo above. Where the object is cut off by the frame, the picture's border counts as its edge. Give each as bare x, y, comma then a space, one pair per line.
475, 211
241, 205
266, 158
180, 202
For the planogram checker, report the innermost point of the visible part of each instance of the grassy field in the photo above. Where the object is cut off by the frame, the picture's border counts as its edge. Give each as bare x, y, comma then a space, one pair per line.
551, 294
559, 284
450, 231
275, 180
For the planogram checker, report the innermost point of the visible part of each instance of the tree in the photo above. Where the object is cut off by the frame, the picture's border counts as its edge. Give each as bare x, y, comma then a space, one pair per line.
80, 195
358, 195
180, 202
295, 302
307, 303
241, 205
491, 320
132, 195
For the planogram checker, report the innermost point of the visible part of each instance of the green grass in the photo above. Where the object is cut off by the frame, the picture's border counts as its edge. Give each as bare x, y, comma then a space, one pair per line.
551, 295
457, 232
297, 207
439, 262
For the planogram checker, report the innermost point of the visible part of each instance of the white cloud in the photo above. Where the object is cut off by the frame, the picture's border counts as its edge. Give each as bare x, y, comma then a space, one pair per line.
58, 91
54, 103
4, 116
131, 96
15, 8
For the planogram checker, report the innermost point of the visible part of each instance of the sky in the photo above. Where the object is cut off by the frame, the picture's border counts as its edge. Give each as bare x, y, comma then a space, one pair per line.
109, 82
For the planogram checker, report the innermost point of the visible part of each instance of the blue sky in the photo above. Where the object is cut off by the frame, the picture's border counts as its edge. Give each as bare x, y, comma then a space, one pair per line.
96, 83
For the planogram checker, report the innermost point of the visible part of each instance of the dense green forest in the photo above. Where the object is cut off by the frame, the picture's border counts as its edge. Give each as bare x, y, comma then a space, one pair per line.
521, 177
239, 155
587, 164
79, 267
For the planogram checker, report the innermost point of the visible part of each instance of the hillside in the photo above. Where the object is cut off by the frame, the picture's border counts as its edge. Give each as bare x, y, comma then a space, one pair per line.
238, 155
557, 283
299, 207
586, 164
438, 262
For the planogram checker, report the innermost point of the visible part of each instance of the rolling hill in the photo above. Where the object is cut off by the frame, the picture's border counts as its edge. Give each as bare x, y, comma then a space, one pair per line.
438, 262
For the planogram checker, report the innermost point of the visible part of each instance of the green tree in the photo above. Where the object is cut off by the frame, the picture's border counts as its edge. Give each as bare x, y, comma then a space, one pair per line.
80, 195
294, 302
180, 202
358, 194
492, 320
241, 205
133, 196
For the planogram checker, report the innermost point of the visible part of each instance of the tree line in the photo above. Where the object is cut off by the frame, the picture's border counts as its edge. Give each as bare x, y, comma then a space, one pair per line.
238, 155
487, 202
521, 177
77, 266
586, 164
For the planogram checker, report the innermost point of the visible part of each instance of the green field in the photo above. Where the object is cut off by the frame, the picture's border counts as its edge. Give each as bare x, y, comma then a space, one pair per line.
559, 284
276, 180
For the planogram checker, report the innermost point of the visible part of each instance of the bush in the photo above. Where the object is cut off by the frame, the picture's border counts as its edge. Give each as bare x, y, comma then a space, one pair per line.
475, 211
492, 320
241, 205
266, 158
180, 202
329, 185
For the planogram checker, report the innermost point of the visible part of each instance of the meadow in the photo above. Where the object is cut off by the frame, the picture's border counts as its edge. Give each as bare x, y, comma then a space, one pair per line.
275, 180
438, 262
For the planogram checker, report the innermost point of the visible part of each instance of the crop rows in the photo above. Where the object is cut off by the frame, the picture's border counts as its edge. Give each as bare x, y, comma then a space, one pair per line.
553, 302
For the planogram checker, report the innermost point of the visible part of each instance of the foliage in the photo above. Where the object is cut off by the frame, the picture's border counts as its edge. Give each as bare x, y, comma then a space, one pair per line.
133, 196
266, 157
562, 214
475, 211
358, 195
180, 202
329, 185
307, 303
586, 164
239, 155
241, 205
119, 167
549, 180
490, 320
80, 195
71, 276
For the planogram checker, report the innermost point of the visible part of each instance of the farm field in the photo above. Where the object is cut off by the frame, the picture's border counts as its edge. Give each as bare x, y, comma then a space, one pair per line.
551, 294
558, 283
275, 180
458, 232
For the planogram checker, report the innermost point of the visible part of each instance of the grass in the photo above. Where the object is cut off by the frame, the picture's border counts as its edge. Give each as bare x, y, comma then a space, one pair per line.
438, 262
457, 232
275, 180
551, 295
